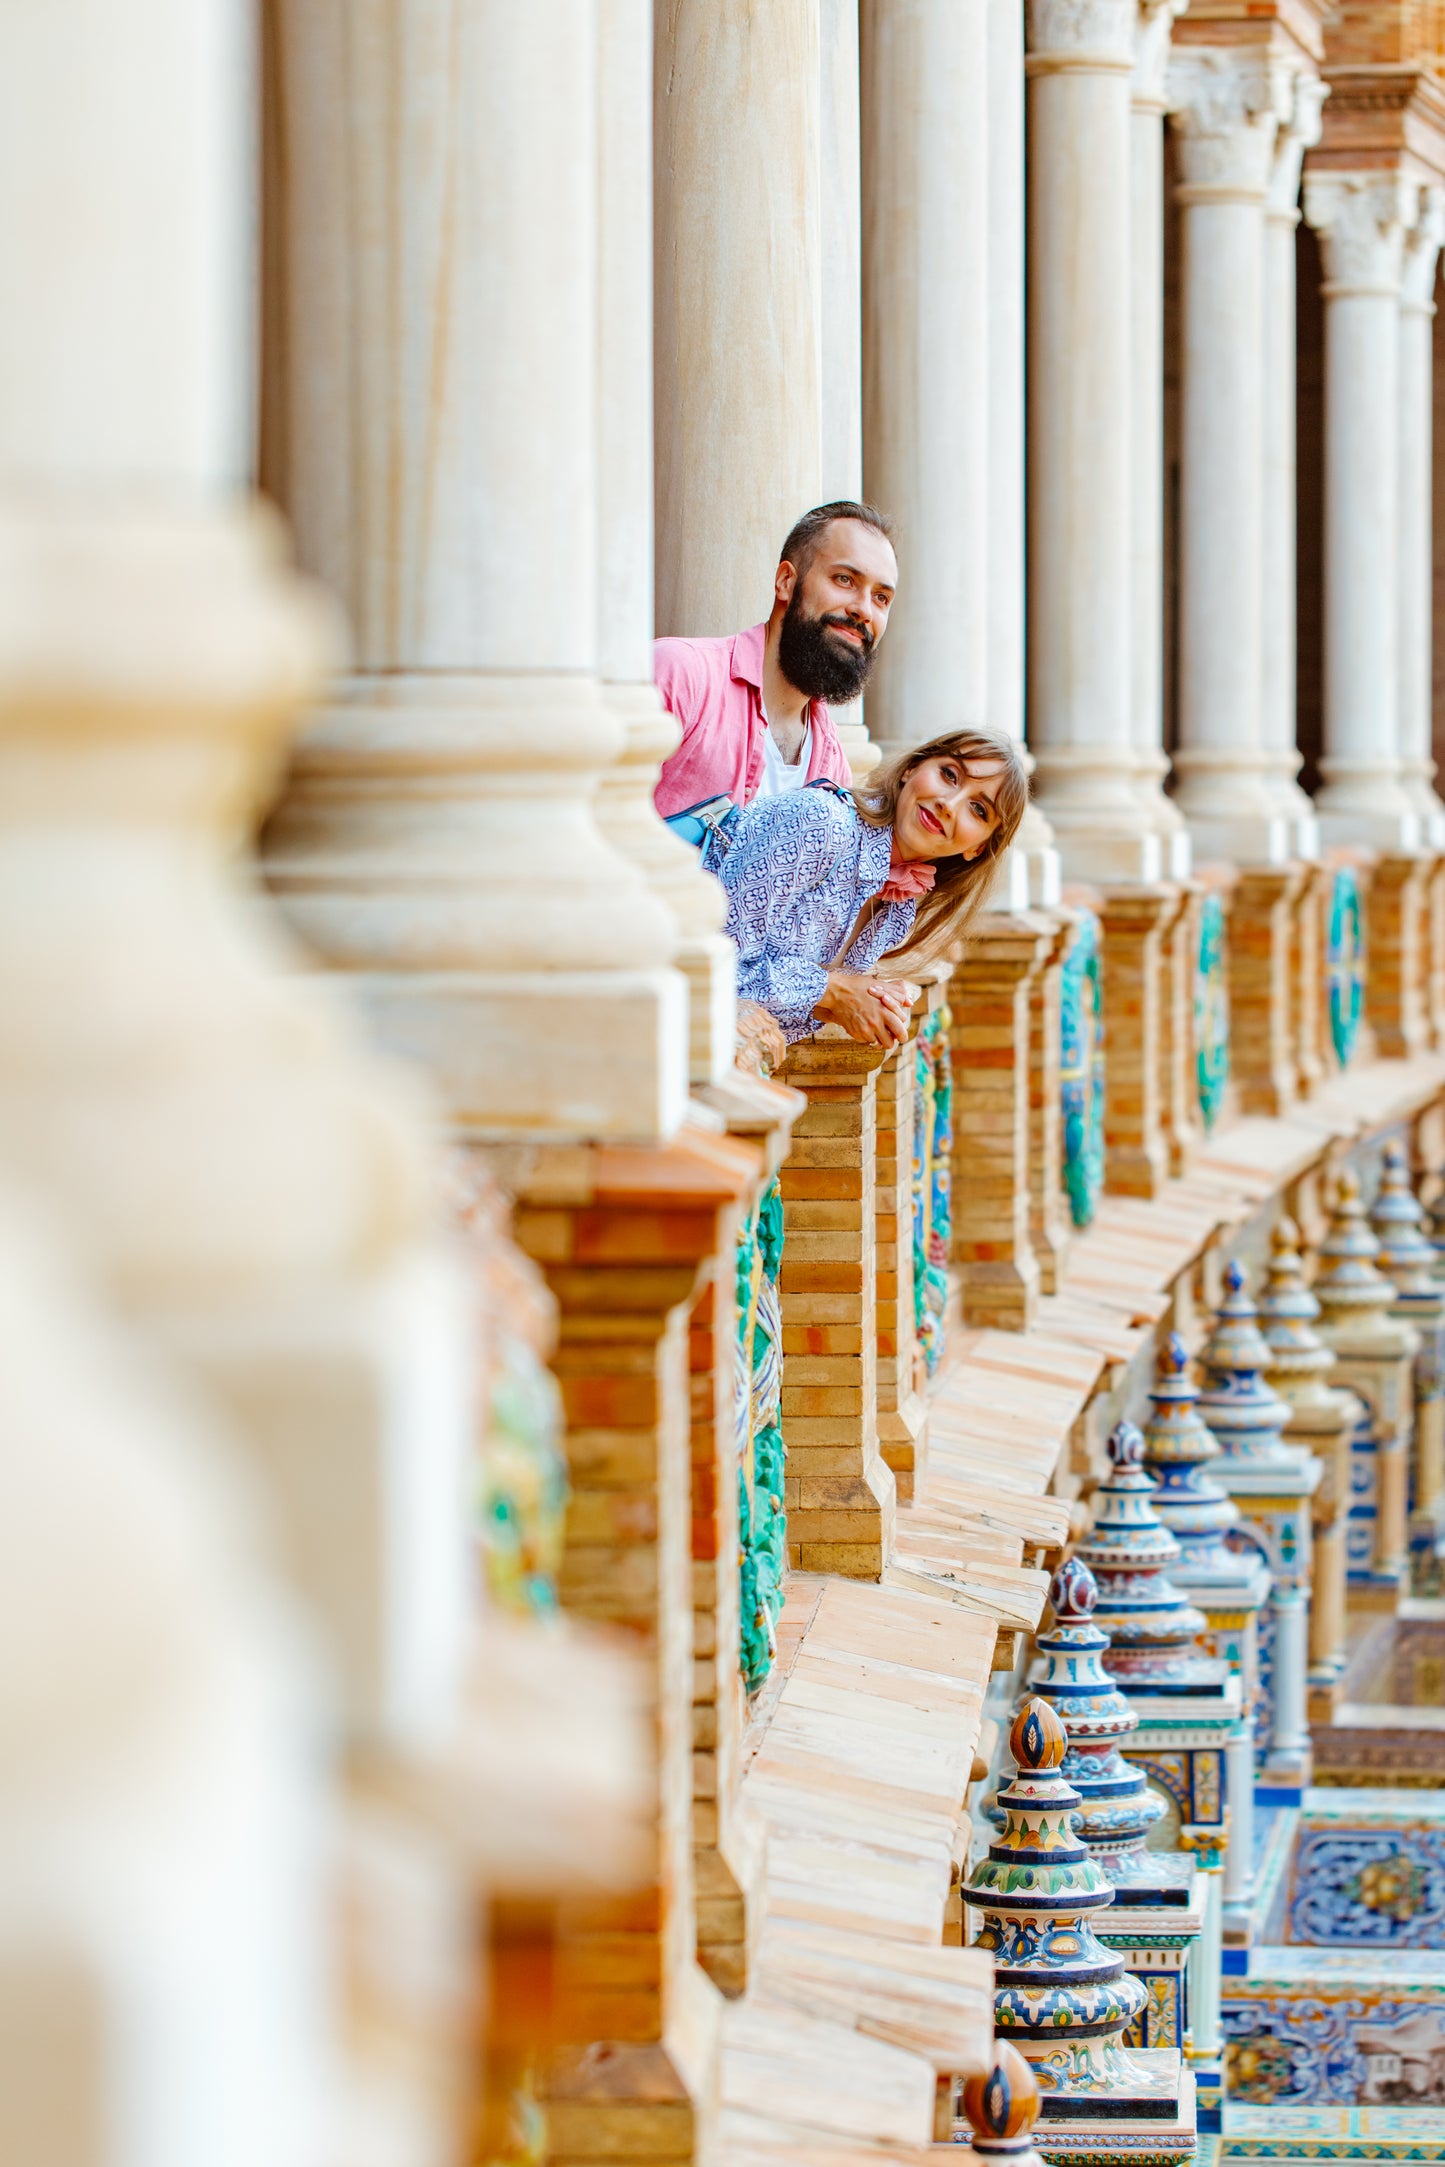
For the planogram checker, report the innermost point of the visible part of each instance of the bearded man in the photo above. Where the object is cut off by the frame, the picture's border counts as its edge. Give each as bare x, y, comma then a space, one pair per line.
754, 705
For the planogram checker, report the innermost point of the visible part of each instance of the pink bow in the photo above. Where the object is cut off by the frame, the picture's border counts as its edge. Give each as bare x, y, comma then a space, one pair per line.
907, 877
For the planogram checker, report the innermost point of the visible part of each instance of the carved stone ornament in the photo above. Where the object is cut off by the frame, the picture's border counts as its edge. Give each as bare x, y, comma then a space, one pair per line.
1361, 220
1227, 106
1152, 34
1300, 133
1422, 247
1102, 29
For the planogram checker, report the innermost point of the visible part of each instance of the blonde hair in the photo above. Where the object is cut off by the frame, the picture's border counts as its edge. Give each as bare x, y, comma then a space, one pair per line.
961, 885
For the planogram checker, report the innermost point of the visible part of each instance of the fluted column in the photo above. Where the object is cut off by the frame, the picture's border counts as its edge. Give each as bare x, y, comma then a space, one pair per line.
840, 222
624, 535
1079, 65
435, 438
755, 344
1277, 715
164, 1904
1034, 877
1289, 1738
926, 354
1361, 219
1146, 159
1416, 575
1239, 1855
1226, 106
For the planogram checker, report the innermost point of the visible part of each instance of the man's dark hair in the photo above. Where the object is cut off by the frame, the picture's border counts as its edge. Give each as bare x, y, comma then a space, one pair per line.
802, 543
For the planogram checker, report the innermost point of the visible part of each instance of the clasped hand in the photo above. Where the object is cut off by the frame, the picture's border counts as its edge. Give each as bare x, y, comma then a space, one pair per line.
874, 1011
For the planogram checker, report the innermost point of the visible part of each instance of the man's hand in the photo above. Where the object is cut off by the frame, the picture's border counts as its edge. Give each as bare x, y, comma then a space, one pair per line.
874, 1011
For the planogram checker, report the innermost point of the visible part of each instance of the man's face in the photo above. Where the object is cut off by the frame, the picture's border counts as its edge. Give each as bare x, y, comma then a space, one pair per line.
837, 612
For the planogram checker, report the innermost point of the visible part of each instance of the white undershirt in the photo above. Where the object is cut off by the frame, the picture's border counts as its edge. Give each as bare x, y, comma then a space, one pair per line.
778, 776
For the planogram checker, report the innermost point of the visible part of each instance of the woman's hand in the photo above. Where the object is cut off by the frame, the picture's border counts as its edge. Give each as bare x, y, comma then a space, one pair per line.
873, 1011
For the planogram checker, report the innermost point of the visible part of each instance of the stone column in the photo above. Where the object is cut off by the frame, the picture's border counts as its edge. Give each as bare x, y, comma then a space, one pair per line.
1277, 724
1226, 106
1080, 424
737, 360
1416, 575
1239, 1854
755, 346
437, 445
624, 535
150, 1923
841, 221
1206, 1958
1361, 219
1006, 431
1289, 1738
926, 354
1146, 160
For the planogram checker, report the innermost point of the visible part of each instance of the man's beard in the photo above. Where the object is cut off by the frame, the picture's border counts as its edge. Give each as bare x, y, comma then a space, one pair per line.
823, 667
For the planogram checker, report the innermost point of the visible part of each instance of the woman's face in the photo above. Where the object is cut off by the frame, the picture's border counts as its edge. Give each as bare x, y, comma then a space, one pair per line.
947, 810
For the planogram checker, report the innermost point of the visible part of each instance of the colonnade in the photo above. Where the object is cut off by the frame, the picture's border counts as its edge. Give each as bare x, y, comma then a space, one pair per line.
564, 314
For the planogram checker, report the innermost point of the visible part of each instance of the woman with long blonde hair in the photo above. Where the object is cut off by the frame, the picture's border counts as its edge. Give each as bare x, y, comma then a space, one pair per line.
833, 894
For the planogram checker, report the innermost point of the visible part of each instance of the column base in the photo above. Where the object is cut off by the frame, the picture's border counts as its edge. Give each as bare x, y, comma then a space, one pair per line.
1424, 801
1253, 839
1095, 804
545, 1057
1286, 1768
1102, 858
1367, 830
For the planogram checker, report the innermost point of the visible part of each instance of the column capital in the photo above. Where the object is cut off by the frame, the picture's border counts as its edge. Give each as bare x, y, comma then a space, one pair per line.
1298, 134
1087, 36
1361, 219
1422, 247
1152, 32
1227, 104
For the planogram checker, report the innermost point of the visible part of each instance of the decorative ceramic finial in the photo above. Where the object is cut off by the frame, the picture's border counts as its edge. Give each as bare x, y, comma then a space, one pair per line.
1435, 1219
1153, 1629
1001, 2104
1178, 1447
1397, 1221
1060, 1996
1349, 1288
1247, 1419
1299, 1360
1118, 1808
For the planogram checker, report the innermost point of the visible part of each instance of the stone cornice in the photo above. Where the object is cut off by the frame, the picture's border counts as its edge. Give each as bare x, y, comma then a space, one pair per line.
1290, 26
1391, 116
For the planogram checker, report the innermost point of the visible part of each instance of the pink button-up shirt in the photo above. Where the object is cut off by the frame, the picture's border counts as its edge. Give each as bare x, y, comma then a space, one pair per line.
715, 689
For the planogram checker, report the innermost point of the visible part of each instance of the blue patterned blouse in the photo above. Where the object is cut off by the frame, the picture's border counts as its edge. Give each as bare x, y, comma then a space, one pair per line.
798, 869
